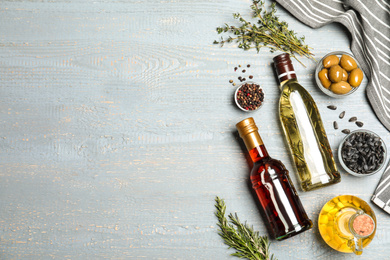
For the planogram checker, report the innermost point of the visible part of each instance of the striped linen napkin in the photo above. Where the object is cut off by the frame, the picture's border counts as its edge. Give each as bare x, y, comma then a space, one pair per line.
369, 25
381, 195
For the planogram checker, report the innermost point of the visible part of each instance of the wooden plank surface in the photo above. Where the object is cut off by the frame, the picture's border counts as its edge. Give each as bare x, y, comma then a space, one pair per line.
118, 131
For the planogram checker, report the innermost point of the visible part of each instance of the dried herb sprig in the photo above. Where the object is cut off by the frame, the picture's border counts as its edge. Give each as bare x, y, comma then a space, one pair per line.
247, 243
267, 32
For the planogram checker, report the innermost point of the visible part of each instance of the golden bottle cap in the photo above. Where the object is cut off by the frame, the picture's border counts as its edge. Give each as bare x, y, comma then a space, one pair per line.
249, 133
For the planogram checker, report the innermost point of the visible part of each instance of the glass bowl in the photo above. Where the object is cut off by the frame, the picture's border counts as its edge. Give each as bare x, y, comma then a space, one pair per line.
237, 92
320, 66
366, 157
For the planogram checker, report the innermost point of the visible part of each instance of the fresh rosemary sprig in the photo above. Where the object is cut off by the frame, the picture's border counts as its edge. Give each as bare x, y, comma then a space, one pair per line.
267, 32
247, 243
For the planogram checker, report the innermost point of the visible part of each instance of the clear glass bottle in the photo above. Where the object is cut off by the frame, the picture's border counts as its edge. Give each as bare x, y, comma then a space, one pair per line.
304, 130
270, 180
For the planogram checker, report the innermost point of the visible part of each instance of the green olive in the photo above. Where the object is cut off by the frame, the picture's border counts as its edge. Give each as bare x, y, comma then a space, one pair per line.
340, 88
348, 63
355, 77
330, 61
335, 73
323, 76
345, 75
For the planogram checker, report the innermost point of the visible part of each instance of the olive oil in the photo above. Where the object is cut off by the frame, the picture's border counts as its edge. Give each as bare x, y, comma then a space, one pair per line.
334, 223
304, 130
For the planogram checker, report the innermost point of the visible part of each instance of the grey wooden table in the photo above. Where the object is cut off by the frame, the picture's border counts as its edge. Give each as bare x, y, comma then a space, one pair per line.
118, 131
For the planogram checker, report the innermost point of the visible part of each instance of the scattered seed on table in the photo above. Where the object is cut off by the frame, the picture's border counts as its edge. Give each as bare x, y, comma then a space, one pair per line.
243, 79
352, 119
251, 77
235, 68
335, 125
231, 81
346, 131
234, 84
332, 107
248, 65
243, 71
341, 116
359, 124
239, 66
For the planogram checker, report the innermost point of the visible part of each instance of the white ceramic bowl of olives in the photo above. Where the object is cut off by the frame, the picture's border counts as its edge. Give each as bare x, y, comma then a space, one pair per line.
338, 74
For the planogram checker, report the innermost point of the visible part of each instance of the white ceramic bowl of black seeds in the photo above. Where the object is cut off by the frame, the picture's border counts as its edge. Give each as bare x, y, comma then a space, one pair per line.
362, 153
249, 96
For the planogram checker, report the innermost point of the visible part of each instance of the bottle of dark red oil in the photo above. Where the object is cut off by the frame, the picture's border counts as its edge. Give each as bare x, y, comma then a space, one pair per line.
270, 180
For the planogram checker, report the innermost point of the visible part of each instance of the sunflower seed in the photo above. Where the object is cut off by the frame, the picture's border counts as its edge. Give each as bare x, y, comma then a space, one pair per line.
341, 116
363, 152
346, 131
352, 119
335, 125
332, 107
359, 124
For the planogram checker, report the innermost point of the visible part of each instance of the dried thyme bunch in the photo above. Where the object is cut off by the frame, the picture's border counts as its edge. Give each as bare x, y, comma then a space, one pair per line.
248, 243
267, 32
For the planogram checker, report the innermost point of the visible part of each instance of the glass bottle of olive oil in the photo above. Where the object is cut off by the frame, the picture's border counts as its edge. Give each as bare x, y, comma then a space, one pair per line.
304, 130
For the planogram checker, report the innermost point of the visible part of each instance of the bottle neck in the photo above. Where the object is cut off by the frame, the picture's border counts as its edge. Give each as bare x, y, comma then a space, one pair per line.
361, 224
284, 83
249, 133
258, 153
284, 68
255, 146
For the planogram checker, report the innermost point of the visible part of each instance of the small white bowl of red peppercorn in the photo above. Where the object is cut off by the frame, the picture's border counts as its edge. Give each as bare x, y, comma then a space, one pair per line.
249, 96
362, 153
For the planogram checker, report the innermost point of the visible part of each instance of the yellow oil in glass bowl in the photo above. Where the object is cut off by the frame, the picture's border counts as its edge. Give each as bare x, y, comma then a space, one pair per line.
333, 218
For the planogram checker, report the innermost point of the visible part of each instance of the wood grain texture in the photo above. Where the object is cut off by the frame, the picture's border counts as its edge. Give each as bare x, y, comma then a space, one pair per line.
118, 131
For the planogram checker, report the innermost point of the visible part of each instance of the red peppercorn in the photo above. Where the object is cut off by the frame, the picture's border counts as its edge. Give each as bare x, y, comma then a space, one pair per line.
250, 96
